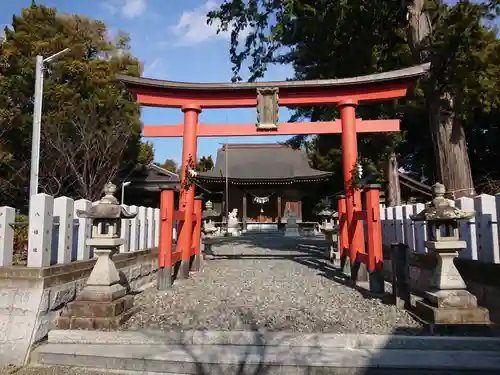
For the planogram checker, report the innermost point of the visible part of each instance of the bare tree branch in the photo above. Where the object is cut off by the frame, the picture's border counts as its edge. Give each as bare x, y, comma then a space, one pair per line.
86, 144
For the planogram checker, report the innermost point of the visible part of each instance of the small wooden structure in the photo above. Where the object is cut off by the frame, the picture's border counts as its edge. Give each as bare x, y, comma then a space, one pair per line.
146, 184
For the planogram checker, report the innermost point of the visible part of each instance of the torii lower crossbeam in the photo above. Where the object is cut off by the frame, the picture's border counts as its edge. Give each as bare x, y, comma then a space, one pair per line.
288, 128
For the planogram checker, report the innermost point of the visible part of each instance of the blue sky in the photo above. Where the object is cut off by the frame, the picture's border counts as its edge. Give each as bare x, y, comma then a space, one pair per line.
173, 41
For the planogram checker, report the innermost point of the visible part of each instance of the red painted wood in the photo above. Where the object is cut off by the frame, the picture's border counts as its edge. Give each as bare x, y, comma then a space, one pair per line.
191, 113
374, 235
197, 226
343, 237
296, 96
362, 257
179, 215
360, 215
349, 161
176, 257
241, 130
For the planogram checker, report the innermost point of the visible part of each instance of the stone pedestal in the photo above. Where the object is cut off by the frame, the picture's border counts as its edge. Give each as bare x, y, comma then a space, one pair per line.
292, 228
451, 307
233, 228
103, 303
209, 229
449, 302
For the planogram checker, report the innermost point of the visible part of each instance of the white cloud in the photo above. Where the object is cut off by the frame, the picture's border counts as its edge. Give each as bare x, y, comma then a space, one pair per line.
192, 27
127, 8
151, 69
134, 8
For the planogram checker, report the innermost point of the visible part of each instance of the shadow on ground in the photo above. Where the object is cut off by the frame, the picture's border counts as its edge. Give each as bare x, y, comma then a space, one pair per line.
259, 357
313, 253
308, 251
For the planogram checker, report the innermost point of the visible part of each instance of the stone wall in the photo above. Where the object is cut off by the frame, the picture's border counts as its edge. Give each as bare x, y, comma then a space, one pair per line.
482, 278
32, 298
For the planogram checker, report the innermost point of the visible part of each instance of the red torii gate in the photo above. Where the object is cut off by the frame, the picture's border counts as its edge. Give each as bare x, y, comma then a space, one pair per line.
192, 98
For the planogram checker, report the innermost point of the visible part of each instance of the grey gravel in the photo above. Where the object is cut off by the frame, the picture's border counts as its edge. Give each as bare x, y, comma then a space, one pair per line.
273, 283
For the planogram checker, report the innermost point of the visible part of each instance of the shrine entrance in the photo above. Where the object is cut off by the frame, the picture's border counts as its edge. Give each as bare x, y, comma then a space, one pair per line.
267, 97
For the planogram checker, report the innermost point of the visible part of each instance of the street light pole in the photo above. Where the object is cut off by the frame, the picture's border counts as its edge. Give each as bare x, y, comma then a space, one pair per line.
124, 183
37, 119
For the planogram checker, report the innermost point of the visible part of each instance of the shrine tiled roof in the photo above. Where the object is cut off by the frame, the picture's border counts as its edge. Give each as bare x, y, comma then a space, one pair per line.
247, 163
153, 177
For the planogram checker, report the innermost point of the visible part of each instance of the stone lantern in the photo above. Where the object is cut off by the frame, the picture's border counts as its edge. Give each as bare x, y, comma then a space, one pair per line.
103, 302
328, 217
330, 230
209, 229
447, 301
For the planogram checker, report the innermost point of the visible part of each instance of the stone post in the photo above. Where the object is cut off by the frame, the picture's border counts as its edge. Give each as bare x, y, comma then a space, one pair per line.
103, 303
330, 230
447, 301
292, 228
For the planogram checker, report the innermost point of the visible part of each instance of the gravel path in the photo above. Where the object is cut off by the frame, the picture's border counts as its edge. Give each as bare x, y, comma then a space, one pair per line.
269, 282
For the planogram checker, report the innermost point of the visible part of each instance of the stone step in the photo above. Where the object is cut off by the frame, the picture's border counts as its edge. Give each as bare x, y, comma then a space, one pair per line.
269, 360
324, 340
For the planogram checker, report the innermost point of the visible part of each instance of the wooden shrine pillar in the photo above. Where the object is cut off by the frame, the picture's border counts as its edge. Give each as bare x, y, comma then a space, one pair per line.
244, 210
189, 145
356, 241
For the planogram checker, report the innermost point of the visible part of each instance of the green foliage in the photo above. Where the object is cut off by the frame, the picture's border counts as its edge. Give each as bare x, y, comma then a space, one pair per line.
146, 154
170, 165
205, 163
189, 179
89, 123
20, 255
336, 39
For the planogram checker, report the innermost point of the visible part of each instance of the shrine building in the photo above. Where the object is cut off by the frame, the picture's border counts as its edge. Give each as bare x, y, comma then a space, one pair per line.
264, 181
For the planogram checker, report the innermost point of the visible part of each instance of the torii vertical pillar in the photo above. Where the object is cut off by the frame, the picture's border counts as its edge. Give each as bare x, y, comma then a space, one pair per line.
189, 145
349, 161
164, 276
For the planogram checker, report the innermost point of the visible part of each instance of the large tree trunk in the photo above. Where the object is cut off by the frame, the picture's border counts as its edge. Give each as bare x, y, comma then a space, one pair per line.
448, 136
450, 147
393, 188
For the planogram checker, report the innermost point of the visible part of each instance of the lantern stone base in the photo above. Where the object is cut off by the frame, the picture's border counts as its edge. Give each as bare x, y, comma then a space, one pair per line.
98, 307
451, 307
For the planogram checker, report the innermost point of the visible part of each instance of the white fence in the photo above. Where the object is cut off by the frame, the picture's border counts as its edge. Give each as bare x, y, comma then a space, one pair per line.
481, 232
57, 235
